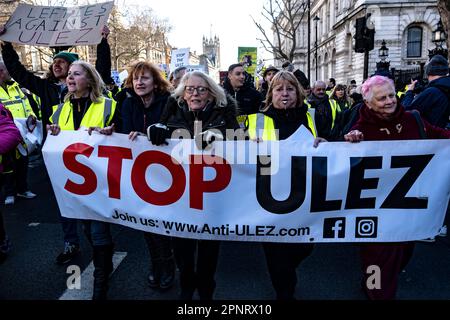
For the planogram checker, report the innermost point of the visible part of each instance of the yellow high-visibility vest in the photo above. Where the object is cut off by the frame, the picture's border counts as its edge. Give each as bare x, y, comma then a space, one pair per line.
402, 92
258, 122
15, 101
99, 114
37, 99
335, 108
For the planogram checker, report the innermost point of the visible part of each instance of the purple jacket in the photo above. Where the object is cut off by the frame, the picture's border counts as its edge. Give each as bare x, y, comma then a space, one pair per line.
9, 134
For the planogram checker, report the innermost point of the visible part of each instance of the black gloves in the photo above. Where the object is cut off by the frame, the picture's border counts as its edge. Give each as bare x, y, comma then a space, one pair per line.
206, 138
158, 133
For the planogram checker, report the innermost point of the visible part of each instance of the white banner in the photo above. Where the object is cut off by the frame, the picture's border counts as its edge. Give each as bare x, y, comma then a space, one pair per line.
339, 192
57, 26
31, 136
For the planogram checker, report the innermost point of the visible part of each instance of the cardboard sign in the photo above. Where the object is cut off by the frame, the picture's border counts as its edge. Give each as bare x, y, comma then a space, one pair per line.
57, 26
180, 58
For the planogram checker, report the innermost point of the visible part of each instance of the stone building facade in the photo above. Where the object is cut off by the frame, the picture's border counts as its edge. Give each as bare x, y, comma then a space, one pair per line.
405, 25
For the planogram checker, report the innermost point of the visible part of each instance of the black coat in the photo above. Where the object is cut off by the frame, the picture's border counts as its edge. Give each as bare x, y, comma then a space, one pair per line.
248, 99
178, 116
433, 103
135, 117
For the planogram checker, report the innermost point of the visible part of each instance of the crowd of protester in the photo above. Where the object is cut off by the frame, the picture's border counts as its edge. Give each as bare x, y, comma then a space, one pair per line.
77, 94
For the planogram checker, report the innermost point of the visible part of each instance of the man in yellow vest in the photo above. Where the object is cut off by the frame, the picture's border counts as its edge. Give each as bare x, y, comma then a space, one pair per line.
12, 97
327, 111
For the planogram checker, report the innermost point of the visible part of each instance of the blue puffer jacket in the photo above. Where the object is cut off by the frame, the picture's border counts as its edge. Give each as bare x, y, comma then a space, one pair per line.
433, 103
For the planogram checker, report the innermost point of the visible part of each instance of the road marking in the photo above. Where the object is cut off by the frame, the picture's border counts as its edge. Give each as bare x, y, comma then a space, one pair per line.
87, 280
34, 224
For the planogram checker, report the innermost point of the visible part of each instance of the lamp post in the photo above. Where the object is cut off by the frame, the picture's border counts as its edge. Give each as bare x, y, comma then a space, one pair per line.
439, 38
309, 39
383, 53
316, 20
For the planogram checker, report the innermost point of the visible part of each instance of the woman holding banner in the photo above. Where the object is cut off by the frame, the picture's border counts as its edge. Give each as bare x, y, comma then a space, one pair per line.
197, 100
283, 114
383, 119
84, 106
146, 93
51, 91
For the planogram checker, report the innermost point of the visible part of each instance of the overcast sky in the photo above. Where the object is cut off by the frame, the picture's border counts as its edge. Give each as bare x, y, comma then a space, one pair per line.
191, 19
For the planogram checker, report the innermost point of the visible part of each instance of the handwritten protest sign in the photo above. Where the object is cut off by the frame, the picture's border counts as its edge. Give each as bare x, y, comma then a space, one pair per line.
57, 26
180, 57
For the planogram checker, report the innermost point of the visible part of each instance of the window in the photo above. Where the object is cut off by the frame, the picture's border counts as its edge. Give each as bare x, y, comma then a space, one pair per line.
414, 46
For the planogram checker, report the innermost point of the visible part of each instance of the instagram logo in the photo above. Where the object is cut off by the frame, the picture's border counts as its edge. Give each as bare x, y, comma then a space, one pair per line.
366, 227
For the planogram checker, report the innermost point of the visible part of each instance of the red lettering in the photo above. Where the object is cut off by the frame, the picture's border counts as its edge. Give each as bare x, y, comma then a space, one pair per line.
90, 179
197, 186
171, 195
115, 156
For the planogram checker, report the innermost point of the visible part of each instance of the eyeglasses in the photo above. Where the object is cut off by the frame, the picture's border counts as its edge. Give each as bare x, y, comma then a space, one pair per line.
200, 90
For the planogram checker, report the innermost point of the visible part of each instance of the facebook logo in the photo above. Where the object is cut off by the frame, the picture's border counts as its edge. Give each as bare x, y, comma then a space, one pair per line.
333, 228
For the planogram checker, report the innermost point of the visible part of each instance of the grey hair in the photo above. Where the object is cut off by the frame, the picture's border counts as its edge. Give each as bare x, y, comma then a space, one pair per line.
216, 91
319, 82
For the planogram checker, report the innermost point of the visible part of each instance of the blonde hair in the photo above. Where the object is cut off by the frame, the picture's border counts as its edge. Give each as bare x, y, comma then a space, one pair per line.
94, 81
215, 90
282, 76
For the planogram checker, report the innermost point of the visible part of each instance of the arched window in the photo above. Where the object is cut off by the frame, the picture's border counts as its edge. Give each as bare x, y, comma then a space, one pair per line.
414, 46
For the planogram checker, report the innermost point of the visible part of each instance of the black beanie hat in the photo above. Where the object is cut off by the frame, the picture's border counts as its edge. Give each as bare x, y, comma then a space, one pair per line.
438, 66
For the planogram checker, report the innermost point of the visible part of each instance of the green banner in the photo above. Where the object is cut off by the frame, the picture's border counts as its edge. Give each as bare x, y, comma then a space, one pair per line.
248, 56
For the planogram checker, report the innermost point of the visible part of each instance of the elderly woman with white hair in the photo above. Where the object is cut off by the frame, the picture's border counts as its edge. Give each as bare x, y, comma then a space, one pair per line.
381, 118
201, 107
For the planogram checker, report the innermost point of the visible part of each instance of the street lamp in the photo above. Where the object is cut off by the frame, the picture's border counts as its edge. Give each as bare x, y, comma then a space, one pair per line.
383, 53
439, 38
309, 39
316, 20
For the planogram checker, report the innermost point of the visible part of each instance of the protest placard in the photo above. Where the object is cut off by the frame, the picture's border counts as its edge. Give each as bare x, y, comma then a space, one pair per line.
57, 26
180, 57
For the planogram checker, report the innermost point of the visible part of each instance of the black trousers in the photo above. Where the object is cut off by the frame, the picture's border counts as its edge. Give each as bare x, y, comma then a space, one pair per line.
282, 261
17, 181
197, 271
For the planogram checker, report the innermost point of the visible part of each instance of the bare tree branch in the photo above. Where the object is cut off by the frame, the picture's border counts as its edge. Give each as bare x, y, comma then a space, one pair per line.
285, 18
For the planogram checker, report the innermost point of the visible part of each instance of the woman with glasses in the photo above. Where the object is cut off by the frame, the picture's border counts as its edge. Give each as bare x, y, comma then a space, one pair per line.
146, 93
197, 99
